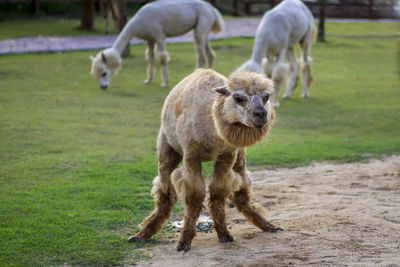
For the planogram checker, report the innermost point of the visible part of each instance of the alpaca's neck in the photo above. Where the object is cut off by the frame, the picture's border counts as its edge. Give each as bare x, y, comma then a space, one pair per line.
259, 51
124, 38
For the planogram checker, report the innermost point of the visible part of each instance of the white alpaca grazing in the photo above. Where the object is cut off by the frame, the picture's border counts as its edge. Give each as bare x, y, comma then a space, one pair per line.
153, 23
280, 29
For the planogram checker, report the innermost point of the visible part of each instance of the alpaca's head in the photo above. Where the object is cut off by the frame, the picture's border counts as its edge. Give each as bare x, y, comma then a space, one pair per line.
242, 111
104, 65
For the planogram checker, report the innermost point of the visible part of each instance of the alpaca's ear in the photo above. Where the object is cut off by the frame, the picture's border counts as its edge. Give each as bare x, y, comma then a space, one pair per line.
103, 58
223, 90
91, 57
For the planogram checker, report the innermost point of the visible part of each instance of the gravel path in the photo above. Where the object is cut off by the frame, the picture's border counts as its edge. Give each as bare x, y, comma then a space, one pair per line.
333, 215
234, 28
243, 27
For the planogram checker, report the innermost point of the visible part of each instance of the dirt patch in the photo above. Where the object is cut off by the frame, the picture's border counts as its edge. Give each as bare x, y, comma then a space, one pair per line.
333, 214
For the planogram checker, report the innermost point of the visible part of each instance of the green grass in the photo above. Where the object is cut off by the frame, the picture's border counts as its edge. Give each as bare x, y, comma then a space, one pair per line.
76, 163
55, 27
47, 27
364, 28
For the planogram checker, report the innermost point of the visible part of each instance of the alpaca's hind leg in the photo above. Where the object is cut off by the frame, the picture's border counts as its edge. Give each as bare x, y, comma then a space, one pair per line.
210, 55
242, 200
113, 5
279, 75
200, 50
201, 37
220, 188
307, 66
189, 183
268, 64
292, 83
163, 58
165, 196
150, 58
107, 17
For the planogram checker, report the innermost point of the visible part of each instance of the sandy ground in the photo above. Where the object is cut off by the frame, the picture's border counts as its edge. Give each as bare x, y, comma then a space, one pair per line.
333, 215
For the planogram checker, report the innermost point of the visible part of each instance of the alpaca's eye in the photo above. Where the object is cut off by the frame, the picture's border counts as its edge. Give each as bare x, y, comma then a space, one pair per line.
265, 98
238, 98
103, 74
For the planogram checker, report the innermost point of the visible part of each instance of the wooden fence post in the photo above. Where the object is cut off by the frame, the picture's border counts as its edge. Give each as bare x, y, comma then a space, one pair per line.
35, 6
87, 19
321, 26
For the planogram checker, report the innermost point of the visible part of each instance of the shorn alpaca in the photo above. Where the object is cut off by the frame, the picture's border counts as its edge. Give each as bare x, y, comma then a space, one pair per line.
153, 23
207, 117
280, 29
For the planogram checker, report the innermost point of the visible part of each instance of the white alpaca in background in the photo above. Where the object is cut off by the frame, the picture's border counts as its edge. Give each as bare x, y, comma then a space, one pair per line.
280, 29
153, 23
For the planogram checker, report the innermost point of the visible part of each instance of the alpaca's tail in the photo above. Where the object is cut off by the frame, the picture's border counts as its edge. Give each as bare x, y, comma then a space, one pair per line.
314, 34
219, 23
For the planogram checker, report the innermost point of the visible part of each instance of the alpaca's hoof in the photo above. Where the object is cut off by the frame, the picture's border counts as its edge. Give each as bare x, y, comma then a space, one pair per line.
305, 96
286, 96
184, 247
135, 239
272, 228
147, 81
226, 238
164, 85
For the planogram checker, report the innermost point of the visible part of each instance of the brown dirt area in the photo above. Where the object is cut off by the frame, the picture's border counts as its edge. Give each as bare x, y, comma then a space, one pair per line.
333, 215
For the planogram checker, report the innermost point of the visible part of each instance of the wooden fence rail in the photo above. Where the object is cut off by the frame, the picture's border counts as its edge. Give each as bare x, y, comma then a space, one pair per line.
364, 8
334, 8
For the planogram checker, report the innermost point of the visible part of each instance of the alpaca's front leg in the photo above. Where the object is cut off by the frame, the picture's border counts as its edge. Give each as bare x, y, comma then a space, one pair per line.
307, 78
210, 55
163, 58
150, 58
292, 83
242, 200
201, 41
189, 183
220, 188
279, 76
107, 15
165, 196
253, 212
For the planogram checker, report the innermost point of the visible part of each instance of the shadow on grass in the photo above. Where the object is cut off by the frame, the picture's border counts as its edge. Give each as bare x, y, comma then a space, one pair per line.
124, 94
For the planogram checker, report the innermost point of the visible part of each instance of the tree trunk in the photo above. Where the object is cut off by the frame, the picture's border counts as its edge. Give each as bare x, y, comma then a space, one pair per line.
321, 26
87, 19
122, 20
100, 6
35, 6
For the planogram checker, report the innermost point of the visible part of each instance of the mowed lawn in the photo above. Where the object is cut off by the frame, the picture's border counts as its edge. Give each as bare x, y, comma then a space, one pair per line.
76, 162
43, 26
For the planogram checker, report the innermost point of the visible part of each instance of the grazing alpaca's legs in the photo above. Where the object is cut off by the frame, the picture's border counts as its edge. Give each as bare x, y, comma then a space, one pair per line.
107, 18
189, 183
164, 193
268, 65
150, 58
292, 83
242, 199
163, 58
220, 188
279, 76
201, 31
307, 66
210, 55
200, 49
